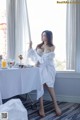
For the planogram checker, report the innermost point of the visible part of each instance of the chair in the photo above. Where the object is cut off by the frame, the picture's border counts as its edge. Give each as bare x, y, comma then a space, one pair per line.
13, 110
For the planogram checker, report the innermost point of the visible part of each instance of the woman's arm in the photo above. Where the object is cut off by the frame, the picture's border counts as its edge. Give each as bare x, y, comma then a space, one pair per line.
32, 53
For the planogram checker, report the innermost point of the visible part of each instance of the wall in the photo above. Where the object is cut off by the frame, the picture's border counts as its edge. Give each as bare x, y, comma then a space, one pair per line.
67, 87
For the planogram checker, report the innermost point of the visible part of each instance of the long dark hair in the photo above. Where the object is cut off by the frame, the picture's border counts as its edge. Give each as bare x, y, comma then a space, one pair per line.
49, 36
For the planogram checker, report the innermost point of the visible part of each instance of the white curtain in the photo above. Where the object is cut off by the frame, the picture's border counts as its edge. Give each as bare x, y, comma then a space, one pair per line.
78, 37
11, 28
71, 36
18, 27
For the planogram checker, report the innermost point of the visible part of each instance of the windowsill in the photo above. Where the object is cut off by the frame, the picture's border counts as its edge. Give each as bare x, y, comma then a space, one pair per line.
66, 71
67, 74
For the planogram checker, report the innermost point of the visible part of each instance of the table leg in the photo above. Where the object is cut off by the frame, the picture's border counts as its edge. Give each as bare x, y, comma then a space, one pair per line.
0, 99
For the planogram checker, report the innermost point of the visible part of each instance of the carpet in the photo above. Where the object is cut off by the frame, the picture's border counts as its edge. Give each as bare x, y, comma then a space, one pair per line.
70, 111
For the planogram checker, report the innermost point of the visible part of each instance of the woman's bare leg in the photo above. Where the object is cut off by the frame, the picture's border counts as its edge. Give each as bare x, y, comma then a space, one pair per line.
53, 96
41, 110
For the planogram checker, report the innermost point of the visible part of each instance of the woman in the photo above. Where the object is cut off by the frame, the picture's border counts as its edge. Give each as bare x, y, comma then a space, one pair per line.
44, 55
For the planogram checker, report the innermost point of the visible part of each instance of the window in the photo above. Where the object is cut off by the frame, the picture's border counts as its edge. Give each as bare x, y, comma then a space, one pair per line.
3, 28
47, 14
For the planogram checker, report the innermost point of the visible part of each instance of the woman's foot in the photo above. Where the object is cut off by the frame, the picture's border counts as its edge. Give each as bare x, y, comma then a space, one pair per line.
42, 113
58, 110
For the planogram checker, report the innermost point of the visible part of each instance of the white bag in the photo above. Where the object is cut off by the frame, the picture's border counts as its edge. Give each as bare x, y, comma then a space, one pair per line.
15, 110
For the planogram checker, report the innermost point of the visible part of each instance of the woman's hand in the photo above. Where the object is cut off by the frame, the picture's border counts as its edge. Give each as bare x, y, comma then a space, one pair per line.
30, 44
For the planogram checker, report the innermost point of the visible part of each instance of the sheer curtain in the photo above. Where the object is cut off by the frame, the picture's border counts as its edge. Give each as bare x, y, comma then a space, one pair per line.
71, 36
78, 37
11, 28
18, 27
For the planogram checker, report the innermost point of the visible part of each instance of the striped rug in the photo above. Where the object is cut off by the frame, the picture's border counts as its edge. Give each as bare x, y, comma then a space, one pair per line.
70, 111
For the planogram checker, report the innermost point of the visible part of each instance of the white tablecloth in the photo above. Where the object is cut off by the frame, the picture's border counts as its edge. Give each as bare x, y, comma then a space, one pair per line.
17, 81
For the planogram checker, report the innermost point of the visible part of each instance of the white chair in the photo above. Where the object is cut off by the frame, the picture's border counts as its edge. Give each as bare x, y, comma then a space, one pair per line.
15, 110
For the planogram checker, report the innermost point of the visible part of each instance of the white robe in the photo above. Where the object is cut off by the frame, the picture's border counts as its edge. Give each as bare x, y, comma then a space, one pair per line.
47, 69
